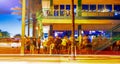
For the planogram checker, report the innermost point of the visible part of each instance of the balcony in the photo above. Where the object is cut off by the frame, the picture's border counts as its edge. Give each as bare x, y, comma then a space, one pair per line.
98, 14
84, 15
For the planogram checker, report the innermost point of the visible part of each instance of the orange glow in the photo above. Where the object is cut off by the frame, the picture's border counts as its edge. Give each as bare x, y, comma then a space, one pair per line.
77, 21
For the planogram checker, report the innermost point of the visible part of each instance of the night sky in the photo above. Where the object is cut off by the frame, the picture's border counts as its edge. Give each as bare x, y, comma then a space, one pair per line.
8, 21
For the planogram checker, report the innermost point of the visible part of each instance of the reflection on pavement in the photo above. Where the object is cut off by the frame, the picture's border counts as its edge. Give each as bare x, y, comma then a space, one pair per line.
14, 44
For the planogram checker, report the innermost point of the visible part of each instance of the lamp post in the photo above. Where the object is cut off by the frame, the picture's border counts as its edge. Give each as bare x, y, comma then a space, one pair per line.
73, 30
23, 25
28, 17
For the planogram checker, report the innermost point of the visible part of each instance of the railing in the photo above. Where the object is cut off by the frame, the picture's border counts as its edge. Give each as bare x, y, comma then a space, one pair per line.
111, 41
108, 14
117, 26
67, 13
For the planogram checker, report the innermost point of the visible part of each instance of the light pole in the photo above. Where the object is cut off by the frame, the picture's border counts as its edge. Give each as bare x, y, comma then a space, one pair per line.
23, 25
73, 30
28, 17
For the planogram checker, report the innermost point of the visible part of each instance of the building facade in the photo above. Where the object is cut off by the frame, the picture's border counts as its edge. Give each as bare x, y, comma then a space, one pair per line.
90, 16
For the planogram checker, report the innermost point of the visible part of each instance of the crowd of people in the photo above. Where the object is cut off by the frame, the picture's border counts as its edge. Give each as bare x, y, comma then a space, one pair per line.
58, 45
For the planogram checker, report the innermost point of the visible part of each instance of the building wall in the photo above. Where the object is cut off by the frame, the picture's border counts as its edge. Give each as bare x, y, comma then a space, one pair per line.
58, 2
100, 1
45, 4
85, 12
87, 2
65, 24
64, 27
83, 26
78, 21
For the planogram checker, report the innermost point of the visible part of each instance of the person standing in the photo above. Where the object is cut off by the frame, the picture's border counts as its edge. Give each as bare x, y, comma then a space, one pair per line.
39, 44
32, 46
27, 44
57, 44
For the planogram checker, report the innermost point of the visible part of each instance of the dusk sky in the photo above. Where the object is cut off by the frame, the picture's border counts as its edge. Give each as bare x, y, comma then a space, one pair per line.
8, 21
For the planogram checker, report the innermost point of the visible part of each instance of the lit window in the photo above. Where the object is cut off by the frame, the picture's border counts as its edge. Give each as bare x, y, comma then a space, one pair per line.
61, 6
85, 7
67, 7
61, 10
93, 8
117, 8
75, 9
55, 10
67, 10
100, 8
55, 6
109, 8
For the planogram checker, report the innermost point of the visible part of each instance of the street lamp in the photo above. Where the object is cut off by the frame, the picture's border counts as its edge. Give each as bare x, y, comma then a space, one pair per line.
29, 17
73, 30
23, 25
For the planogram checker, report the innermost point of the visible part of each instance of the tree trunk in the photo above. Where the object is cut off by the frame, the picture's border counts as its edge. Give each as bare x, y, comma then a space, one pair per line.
34, 24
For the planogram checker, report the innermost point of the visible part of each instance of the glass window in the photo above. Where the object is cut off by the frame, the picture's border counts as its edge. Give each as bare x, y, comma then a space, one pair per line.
61, 6
74, 6
92, 7
75, 9
109, 8
100, 8
55, 6
67, 7
117, 10
85, 7
67, 10
55, 10
117, 7
61, 10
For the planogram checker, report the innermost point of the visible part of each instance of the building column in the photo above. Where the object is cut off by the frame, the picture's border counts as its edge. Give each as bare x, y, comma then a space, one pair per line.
104, 6
96, 7
51, 30
77, 10
89, 7
58, 10
79, 30
51, 8
112, 7
88, 10
64, 10
97, 13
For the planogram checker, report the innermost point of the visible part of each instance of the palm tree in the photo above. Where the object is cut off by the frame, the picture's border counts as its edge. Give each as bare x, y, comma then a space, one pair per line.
5, 34
36, 8
79, 7
33, 8
0, 34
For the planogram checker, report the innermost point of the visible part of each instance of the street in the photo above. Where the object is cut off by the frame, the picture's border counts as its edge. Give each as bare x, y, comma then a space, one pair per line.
59, 59
11, 55
9, 48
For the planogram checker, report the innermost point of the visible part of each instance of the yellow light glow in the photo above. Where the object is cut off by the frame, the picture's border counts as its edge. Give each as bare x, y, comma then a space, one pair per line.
23, 25
77, 21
